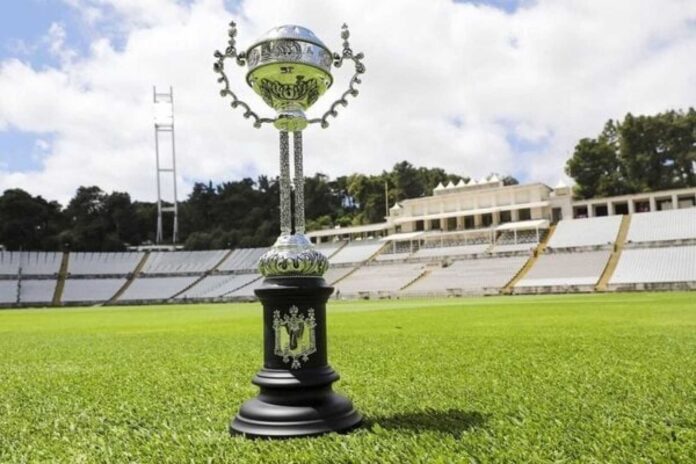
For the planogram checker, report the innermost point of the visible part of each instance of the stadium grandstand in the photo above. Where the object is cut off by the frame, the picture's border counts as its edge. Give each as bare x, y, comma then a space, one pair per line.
466, 239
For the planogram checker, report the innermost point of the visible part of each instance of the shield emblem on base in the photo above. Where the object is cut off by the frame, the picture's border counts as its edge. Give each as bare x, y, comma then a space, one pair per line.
295, 336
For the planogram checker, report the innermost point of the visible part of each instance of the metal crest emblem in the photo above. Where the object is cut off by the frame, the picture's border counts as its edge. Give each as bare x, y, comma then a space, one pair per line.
295, 337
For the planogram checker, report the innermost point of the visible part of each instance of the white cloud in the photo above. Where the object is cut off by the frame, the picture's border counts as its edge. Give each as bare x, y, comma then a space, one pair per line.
552, 72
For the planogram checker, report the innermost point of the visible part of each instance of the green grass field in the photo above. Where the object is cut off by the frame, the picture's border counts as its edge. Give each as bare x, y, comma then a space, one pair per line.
592, 378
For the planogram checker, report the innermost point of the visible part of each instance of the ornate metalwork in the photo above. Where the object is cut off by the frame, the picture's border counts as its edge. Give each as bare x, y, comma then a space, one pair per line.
285, 187
295, 336
293, 51
219, 67
299, 183
289, 67
354, 81
278, 95
293, 255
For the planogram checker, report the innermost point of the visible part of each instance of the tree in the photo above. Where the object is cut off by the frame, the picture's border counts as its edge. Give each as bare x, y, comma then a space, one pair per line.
28, 222
638, 154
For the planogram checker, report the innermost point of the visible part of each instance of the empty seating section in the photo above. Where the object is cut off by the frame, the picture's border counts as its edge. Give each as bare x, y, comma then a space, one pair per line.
91, 290
520, 247
329, 249
333, 274
656, 265
31, 262
243, 259
155, 288
511, 237
180, 262
36, 291
217, 286
565, 269
471, 276
357, 251
247, 291
594, 231
8, 291
461, 250
103, 263
381, 278
392, 256
678, 224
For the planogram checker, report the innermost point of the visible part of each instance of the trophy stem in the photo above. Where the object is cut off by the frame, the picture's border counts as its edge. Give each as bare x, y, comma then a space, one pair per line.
299, 184
285, 188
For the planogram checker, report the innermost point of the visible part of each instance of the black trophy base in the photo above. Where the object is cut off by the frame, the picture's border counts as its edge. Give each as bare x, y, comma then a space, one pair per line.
295, 406
295, 400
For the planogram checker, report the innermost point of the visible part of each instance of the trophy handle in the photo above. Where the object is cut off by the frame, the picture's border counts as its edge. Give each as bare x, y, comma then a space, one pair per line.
354, 81
219, 67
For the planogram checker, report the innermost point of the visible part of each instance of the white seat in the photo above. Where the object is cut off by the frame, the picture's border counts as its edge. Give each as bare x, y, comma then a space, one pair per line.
155, 288
31, 262
180, 262
91, 290
470, 276
37, 291
217, 286
677, 224
242, 259
379, 278
656, 265
593, 231
564, 269
103, 263
357, 251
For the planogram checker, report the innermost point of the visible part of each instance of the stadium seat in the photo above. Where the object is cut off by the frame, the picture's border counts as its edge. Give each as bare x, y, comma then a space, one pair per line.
103, 263
182, 262
656, 265
468, 276
595, 231
356, 252
678, 224
566, 269
90, 290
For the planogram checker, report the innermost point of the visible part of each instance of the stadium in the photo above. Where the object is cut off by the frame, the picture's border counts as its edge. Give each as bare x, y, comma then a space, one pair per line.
482, 238
473, 317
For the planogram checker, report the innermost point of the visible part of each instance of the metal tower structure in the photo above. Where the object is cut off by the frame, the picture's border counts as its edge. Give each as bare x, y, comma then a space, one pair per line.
164, 134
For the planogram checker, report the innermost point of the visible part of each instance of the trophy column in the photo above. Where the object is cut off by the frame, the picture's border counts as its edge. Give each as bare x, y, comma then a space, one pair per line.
289, 68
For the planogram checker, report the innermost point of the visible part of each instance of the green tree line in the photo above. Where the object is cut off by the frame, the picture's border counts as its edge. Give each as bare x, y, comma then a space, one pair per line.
637, 154
234, 214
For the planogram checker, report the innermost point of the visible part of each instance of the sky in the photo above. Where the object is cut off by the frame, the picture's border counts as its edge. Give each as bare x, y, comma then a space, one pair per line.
471, 86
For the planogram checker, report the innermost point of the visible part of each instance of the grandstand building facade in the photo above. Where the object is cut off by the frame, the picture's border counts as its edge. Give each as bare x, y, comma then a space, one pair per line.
476, 238
456, 211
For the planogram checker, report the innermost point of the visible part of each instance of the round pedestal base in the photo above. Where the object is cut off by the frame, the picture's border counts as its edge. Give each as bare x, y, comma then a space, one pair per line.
296, 398
294, 407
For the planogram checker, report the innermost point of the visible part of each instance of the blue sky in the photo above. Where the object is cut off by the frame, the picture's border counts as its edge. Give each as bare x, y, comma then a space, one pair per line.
23, 35
504, 86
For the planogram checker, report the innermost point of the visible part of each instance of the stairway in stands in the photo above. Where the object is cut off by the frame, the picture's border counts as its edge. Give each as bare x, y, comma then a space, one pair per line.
133, 276
615, 255
361, 264
202, 277
60, 283
421, 276
507, 289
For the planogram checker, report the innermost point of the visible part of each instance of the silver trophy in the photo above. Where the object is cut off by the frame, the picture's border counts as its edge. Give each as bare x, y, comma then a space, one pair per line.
290, 68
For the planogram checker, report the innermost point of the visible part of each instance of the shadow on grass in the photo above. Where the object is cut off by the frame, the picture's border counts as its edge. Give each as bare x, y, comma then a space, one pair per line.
452, 421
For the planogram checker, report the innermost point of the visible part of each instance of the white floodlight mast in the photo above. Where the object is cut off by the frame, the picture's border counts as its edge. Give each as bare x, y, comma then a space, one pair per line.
164, 123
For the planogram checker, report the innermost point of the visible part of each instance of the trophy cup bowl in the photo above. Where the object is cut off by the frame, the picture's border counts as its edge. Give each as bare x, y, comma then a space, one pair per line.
290, 68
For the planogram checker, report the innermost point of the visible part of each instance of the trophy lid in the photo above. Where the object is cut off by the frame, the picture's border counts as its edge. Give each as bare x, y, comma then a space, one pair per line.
289, 32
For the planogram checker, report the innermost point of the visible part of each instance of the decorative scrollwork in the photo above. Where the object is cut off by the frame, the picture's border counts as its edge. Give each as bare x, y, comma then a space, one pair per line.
219, 68
347, 54
293, 255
